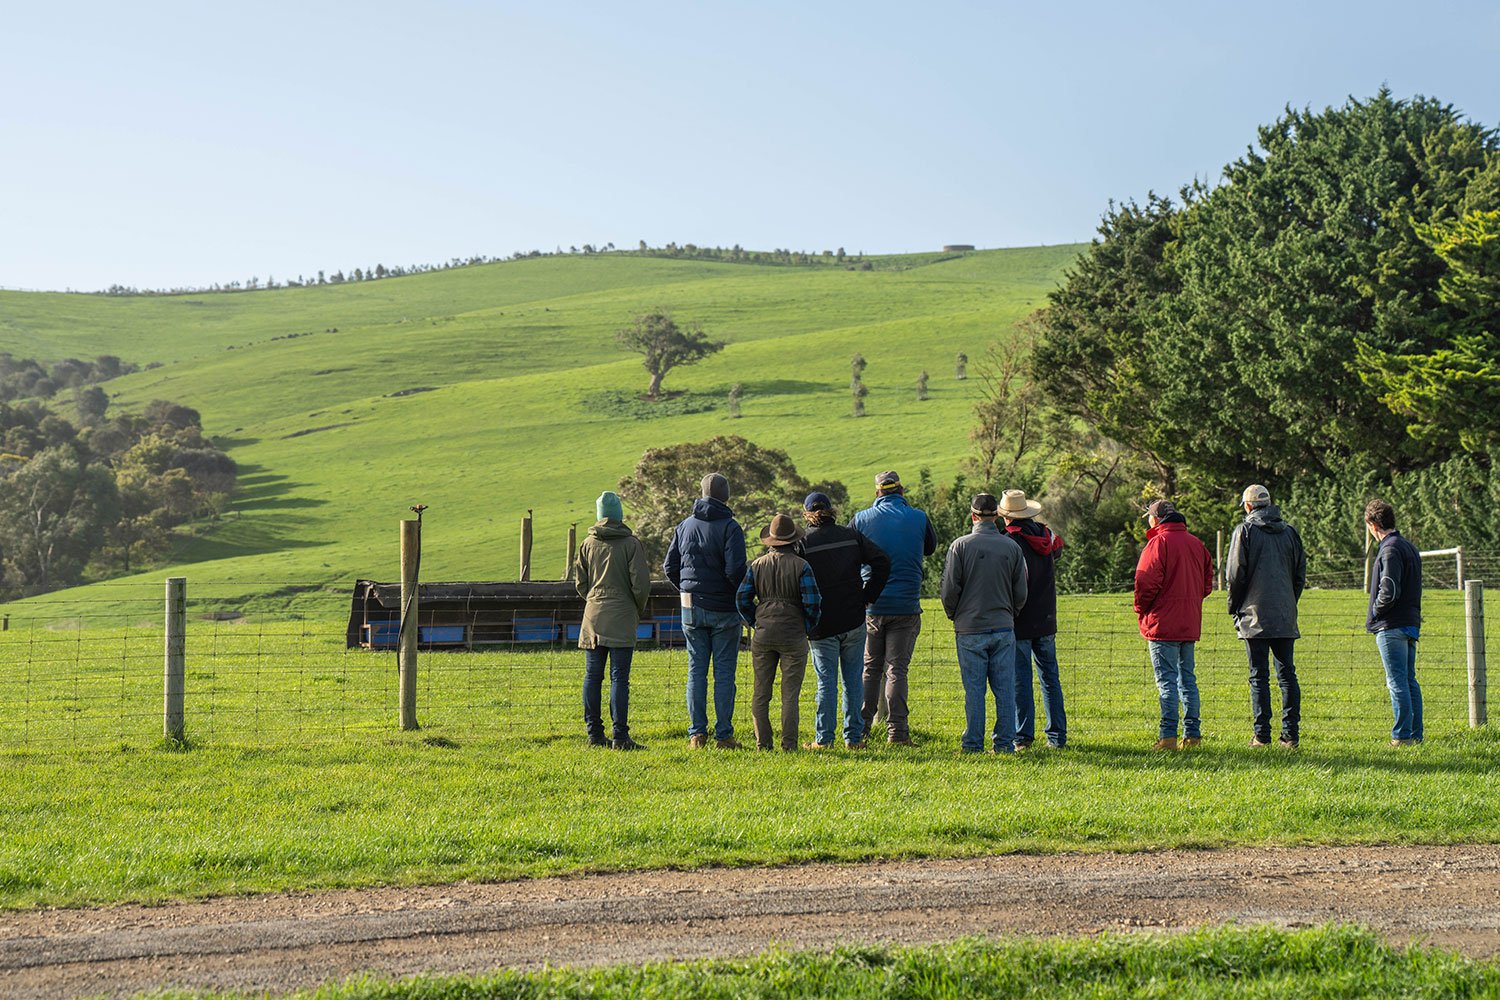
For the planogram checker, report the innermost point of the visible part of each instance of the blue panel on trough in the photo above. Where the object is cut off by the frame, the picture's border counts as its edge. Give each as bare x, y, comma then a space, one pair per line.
535, 630
440, 634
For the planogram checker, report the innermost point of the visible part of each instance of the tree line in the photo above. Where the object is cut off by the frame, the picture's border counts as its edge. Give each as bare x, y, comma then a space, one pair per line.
1324, 320
103, 494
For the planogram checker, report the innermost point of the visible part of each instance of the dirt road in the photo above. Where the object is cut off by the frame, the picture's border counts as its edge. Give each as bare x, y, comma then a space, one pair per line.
1443, 895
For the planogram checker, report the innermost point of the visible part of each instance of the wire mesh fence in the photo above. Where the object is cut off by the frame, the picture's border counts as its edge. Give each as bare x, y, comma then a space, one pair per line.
90, 674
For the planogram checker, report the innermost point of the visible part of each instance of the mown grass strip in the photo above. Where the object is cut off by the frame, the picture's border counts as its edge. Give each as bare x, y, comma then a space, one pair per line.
1327, 962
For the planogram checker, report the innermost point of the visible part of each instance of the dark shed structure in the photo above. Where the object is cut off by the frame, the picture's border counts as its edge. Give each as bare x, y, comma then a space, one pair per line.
470, 615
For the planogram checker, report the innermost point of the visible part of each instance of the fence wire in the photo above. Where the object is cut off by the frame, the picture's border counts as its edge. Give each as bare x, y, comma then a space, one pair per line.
90, 674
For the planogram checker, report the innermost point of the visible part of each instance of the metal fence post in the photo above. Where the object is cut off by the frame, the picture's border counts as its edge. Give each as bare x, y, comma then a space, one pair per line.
406, 657
175, 659
1474, 634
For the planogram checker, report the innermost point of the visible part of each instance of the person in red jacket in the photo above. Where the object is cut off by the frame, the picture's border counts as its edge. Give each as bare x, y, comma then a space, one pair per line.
1175, 573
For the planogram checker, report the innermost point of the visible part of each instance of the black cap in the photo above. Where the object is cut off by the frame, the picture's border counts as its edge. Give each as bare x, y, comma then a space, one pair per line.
985, 505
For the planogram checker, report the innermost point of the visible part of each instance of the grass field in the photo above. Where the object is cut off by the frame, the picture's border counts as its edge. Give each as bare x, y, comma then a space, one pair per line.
512, 355
1325, 962
297, 778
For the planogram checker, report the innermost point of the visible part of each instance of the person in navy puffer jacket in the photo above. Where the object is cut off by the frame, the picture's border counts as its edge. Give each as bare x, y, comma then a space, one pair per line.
706, 562
894, 621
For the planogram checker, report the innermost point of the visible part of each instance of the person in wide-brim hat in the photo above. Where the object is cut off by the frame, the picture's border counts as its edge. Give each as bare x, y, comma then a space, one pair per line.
1014, 505
781, 531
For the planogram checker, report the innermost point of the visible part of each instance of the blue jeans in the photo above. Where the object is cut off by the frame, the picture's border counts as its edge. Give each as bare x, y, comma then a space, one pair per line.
842, 654
619, 690
1398, 652
1044, 650
988, 658
1175, 681
711, 635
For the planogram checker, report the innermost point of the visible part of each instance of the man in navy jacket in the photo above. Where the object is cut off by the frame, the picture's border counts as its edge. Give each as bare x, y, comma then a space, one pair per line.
1395, 617
894, 621
706, 562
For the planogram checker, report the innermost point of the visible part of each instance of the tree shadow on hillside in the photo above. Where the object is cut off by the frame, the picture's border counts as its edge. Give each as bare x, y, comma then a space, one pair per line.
786, 387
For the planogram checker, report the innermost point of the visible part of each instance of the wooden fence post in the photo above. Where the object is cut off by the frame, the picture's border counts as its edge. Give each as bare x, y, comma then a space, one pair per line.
175, 660
1219, 560
1474, 636
1458, 557
572, 550
411, 552
526, 545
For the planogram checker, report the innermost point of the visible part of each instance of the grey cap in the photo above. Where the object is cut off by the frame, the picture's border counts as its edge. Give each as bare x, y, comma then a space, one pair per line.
1256, 494
715, 487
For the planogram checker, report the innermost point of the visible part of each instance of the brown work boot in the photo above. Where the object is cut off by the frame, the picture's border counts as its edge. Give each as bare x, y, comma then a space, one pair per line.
901, 741
1257, 743
729, 744
1165, 743
698, 742
817, 746
1188, 742
1289, 742
856, 745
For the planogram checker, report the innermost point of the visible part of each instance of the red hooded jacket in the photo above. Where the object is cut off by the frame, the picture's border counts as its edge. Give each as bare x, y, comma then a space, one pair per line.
1175, 573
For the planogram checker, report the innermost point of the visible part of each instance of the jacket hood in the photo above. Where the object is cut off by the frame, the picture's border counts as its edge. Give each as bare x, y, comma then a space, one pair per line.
1267, 518
709, 509
1180, 524
608, 530
890, 500
1038, 537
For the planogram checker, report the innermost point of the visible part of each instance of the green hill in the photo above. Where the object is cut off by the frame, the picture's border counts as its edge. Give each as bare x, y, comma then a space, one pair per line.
311, 391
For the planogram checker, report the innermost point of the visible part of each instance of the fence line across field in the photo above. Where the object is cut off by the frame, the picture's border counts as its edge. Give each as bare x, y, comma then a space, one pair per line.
93, 675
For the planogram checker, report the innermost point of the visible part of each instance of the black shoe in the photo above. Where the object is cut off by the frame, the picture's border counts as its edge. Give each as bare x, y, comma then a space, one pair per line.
598, 741
1289, 742
626, 744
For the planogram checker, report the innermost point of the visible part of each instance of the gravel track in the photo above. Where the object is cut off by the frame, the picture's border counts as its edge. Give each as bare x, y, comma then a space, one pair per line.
1449, 896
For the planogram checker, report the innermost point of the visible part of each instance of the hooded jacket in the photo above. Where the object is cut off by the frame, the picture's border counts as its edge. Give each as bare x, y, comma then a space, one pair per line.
613, 577
838, 557
905, 535
707, 556
1175, 573
1265, 571
1040, 546
1396, 585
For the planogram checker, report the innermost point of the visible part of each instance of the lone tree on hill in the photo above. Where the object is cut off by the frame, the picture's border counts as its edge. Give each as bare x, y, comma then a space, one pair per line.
736, 394
961, 366
665, 345
922, 385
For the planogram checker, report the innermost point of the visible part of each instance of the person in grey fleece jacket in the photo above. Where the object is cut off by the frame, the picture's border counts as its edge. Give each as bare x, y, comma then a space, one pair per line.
984, 584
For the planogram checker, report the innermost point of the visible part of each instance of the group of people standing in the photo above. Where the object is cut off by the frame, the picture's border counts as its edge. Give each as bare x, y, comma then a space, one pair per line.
849, 597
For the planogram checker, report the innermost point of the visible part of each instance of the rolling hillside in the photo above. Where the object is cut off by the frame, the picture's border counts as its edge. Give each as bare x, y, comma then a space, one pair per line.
311, 390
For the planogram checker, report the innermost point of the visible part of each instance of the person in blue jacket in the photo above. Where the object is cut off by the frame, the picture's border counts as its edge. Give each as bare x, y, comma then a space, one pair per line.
706, 562
894, 621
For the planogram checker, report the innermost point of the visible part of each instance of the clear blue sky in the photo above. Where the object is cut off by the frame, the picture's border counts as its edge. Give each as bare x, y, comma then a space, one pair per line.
160, 144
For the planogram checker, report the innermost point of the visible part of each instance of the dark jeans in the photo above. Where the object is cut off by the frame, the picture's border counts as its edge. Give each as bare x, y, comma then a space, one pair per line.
889, 643
1044, 650
1280, 650
619, 689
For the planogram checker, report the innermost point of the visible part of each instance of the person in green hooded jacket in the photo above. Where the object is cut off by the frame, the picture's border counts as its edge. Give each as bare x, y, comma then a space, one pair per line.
613, 578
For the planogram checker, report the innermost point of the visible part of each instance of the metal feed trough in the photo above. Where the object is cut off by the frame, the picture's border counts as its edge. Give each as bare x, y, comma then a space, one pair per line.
480, 615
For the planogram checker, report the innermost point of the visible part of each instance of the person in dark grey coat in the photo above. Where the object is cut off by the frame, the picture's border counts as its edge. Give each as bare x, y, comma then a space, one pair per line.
984, 585
1265, 572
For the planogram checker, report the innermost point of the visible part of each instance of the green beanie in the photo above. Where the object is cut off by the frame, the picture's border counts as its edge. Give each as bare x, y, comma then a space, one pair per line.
608, 506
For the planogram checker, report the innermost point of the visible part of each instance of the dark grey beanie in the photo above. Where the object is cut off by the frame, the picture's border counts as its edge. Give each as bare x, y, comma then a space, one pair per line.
716, 487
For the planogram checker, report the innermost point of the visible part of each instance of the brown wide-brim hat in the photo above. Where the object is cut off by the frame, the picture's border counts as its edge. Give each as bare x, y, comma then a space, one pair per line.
781, 531
1013, 503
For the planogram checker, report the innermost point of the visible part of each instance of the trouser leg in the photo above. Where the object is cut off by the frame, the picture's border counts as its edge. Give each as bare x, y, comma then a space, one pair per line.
593, 682
1282, 651
763, 663
793, 669
619, 690
1258, 651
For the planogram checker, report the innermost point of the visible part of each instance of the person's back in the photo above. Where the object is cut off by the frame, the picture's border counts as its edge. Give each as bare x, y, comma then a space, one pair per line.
838, 556
707, 556
905, 535
1174, 575
1395, 585
1039, 547
613, 577
984, 581
1265, 573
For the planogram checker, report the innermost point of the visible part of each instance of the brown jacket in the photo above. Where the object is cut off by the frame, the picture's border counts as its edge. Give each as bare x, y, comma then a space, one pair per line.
613, 578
